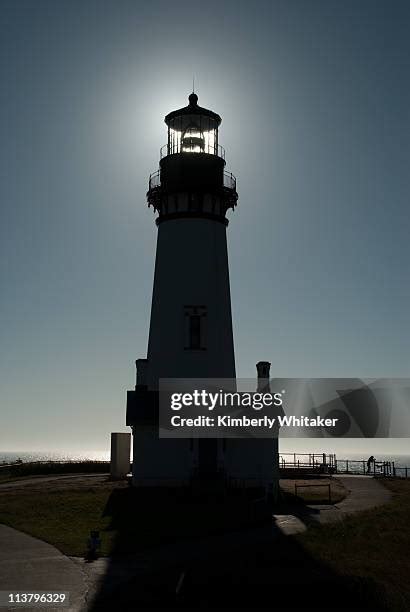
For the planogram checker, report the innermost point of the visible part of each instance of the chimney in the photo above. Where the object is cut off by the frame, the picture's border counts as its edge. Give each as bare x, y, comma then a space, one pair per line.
141, 365
263, 369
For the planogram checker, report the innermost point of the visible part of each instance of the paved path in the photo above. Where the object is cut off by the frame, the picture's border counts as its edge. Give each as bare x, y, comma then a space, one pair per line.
28, 564
365, 493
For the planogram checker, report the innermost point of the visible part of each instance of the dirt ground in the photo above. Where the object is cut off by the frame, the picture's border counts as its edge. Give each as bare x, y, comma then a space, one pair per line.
312, 489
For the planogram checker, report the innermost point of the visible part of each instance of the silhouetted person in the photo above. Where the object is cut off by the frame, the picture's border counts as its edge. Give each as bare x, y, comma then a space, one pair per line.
369, 463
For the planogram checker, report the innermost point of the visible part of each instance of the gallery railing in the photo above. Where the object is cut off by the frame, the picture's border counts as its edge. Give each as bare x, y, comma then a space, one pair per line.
154, 180
229, 180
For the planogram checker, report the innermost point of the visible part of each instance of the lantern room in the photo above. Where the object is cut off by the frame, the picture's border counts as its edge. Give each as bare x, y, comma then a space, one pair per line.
193, 129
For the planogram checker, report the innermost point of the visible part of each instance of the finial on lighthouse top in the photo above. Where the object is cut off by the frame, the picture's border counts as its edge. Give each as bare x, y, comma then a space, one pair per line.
193, 99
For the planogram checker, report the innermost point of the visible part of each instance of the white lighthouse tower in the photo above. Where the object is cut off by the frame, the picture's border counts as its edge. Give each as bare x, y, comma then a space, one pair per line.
190, 332
191, 325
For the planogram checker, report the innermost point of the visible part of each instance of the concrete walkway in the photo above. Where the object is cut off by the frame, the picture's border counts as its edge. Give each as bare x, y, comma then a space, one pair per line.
30, 565
365, 493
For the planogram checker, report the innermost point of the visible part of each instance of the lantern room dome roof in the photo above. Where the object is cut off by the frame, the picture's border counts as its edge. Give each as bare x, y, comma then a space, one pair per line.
187, 114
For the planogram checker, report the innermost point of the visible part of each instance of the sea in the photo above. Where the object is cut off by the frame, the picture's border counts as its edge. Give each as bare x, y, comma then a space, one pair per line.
29, 456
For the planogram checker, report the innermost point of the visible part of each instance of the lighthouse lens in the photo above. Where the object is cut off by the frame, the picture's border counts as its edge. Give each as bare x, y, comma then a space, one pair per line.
193, 141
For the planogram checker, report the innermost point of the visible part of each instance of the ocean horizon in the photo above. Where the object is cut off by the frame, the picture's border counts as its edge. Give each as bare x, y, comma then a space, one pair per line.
29, 456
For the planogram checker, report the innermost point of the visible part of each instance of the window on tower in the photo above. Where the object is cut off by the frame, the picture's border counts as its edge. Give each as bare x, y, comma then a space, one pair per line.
195, 331
195, 328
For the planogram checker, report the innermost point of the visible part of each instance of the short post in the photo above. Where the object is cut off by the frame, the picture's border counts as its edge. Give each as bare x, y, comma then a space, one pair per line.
93, 545
120, 455
347, 466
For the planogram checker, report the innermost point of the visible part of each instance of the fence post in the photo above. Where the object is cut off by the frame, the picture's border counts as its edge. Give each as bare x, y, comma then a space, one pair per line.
394, 469
347, 466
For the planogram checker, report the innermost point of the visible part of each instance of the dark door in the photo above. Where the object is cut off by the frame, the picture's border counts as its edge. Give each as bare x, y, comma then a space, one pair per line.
207, 456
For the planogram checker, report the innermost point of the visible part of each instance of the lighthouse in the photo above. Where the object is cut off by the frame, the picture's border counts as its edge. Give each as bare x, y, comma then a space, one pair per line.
190, 334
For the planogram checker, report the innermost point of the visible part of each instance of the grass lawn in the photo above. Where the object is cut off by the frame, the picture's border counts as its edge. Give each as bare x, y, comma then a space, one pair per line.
62, 518
374, 543
50, 468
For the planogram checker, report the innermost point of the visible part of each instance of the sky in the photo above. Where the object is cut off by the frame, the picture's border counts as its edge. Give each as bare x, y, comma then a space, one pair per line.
315, 100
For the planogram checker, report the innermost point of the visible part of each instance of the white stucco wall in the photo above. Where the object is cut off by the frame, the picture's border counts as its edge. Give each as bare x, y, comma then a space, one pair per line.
191, 269
158, 461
